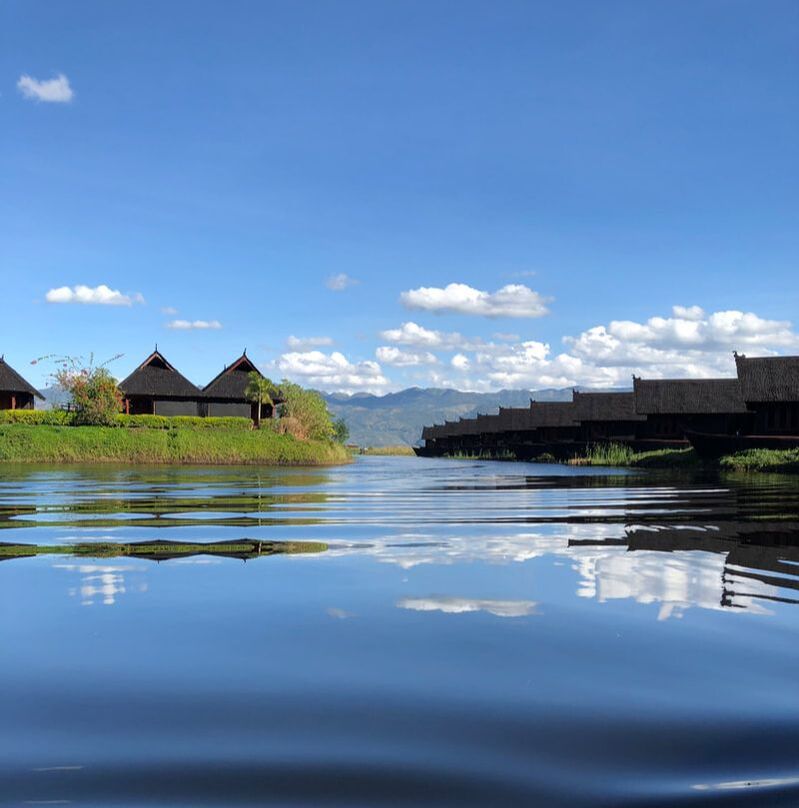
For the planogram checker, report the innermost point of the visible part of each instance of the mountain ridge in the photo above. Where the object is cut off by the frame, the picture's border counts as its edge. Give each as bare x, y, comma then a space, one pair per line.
397, 418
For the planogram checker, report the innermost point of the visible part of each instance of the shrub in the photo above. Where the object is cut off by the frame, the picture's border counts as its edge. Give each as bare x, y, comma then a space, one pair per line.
94, 394
307, 410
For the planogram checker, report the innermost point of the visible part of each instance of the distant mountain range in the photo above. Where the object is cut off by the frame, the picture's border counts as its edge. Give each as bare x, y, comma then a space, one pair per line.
398, 418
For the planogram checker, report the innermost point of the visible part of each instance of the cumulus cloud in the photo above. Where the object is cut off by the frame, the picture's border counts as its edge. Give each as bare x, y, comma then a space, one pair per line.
304, 343
452, 605
332, 372
390, 355
415, 335
513, 300
55, 90
101, 295
194, 325
170, 311
688, 343
340, 282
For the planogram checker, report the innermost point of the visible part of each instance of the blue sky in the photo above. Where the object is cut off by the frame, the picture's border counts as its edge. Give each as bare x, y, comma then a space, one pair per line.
227, 164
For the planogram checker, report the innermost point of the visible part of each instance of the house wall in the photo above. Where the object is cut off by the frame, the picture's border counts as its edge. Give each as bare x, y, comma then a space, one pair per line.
225, 409
781, 418
24, 401
166, 407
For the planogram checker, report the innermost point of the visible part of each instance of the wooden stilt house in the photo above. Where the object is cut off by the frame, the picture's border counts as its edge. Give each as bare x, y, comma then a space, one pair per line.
156, 388
15, 392
770, 388
224, 395
675, 406
607, 416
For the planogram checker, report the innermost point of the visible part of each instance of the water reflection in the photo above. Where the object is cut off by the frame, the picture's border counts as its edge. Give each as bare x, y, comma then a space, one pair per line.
101, 583
451, 605
452, 634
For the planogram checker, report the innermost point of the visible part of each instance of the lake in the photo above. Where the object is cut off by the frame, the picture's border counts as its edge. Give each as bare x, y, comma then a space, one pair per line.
469, 633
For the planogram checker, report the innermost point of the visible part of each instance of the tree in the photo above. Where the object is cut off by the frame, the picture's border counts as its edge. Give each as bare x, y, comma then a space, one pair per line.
341, 432
304, 413
92, 389
259, 391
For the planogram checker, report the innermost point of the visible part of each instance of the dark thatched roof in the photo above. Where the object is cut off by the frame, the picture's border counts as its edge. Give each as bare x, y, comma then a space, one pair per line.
231, 383
552, 413
157, 378
687, 396
489, 424
605, 407
768, 378
12, 382
513, 419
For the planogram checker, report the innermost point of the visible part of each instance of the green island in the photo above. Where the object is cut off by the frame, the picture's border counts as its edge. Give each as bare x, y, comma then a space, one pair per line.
162, 550
175, 444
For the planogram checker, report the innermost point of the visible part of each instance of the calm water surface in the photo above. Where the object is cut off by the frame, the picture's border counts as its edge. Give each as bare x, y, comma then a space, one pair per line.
474, 634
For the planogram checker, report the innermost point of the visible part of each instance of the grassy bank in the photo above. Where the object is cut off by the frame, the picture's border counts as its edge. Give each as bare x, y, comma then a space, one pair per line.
160, 550
773, 460
388, 451
23, 443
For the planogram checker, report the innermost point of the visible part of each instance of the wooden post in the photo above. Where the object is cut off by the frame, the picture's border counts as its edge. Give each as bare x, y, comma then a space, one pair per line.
127, 406
13, 402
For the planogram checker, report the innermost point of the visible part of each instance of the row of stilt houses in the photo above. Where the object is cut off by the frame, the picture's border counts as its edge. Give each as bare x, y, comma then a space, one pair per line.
759, 408
156, 387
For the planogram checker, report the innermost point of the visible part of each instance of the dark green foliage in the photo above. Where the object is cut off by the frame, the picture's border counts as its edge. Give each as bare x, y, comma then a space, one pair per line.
341, 432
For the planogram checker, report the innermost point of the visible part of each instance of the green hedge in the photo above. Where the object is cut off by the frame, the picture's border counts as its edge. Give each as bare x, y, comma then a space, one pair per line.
43, 417
182, 421
63, 418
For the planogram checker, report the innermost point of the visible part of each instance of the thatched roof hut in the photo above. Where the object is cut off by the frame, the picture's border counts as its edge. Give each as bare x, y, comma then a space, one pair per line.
157, 388
16, 393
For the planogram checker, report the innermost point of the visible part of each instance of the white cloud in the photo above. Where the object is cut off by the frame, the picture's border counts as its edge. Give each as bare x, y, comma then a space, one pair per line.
194, 325
513, 300
460, 362
55, 90
450, 605
390, 355
332, 372
689, 343
505, 337
340, 282
101, 295
169, 311
304, 343
418, 336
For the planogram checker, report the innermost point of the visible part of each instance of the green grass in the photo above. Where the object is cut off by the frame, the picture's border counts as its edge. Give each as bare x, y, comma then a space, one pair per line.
388, 451
245, 547
21, 443
776, 460
618, 454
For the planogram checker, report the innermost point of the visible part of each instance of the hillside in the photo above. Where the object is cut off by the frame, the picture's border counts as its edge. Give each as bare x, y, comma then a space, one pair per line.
398, 418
